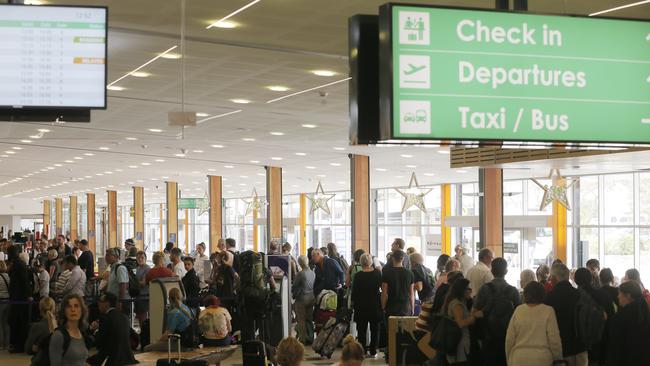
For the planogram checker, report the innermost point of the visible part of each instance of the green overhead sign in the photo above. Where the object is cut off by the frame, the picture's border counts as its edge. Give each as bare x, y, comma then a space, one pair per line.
453, 74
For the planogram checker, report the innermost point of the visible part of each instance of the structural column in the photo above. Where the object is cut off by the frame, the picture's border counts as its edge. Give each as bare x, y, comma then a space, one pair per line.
92, 226
74, 223
47, 217
360, 189
58, 216
172, 212
445, 231
559, 226
138, 217
303, 224
274, 203
216, 213
112, 218
491, 209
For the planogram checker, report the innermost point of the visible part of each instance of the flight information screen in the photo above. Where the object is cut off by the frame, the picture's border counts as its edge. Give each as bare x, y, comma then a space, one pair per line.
52, 56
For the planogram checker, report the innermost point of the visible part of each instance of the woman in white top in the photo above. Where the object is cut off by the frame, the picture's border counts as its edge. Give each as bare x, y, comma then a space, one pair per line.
533, 337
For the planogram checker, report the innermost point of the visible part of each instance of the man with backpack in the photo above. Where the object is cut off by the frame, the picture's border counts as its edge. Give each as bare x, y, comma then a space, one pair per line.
118, 281
564, 300
497, 300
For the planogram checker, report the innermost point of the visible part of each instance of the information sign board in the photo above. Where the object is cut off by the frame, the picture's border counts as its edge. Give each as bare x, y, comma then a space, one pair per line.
457, 74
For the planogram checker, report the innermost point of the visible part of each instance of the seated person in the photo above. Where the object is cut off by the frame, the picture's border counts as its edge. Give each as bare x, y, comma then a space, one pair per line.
112, 335
41, 330
178, 321
214, 323
289, 352
352, 353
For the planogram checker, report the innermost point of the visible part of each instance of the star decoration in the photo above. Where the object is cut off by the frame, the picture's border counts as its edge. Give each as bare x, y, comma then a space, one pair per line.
203, 205
413, 196
556, 192
320, 200
254, 203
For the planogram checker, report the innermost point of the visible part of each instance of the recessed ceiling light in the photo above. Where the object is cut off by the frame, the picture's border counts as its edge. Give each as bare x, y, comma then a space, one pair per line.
381, 169
276, 158
171, 56
35, 137
58, 165
277, 88
335, 164
145, 163
341, 182
443, 151
301, 153
133, 166
118, 170
108, 172
115, 88
78, 158
10, 152
17, 148
261, 174
212, 169
104, 148
155, 130
50, 168
87, 176
429, 174
411, 166
225, 24
99, 174
248, 139
197, 151
131, 138
201, 114
228, 166
4, 156
160, 160
217, 146
310, 167
323, 73
140, 74
339, 148
308, 125
26, 141
406, 156
274, 133
89, 154
240, 101
180, 155
255, 161
44, 130
461, 171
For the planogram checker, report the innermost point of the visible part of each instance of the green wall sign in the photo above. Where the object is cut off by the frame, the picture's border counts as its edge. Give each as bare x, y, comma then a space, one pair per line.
452, 74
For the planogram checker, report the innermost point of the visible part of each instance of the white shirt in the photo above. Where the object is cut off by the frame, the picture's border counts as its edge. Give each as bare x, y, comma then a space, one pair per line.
466, 263
479, 275
179, 269
199, 265
44, 282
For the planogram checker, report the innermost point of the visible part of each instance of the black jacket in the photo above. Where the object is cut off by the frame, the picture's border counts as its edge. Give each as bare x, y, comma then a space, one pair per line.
113, 341
629, 338
19, 288
191, 283
564, 298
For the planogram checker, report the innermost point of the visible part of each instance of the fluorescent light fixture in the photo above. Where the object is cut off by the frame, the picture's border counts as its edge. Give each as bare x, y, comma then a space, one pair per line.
446, 152
133, 166
35, 137
411, 166
261, 174
89, 154
217, 116
335, 164
160, 160
145, 164
26, 141
339, 148
202, 114
307, 90
619, 8
115, 88
326, 73
429, 174
180, 155
104, 148
10, 152
225, 24
69, 161
171, 56
197, 151
381, 169
57, 165
228, 166
274, 133
310, 167
255, 161
155, 130
212, 169
17, 148
307, 125
406, 156
78, 158
140, 74
217, 146
248, 139
240, 101
277, 88
276, 158
461, 171
131, 138
233, 14
301, 154
44, 130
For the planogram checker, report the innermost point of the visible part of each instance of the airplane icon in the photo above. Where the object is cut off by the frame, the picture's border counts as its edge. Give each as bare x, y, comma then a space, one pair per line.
413, 69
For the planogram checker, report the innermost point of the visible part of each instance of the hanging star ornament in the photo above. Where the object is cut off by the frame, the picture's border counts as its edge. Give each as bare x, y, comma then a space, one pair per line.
557, 191
254, 203
319, 200
203, 205
414, 195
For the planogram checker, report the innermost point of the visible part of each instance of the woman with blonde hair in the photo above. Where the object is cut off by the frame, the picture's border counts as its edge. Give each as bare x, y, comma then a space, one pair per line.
525, 277
39, 331
289, 352
178, 320
352, 353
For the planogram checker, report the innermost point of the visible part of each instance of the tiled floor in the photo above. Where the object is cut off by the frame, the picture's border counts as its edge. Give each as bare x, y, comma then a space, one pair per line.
7, 359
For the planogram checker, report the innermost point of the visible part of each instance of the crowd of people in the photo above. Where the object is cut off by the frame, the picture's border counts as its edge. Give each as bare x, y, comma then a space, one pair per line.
582, 316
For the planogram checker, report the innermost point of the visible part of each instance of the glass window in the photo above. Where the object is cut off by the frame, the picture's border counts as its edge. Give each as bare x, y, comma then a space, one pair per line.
619, 199
644, 256
589, 244
589, 200
513, 197
619, 250
644, 198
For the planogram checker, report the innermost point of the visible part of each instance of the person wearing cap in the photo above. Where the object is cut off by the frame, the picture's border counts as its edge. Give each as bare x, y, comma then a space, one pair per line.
466, 262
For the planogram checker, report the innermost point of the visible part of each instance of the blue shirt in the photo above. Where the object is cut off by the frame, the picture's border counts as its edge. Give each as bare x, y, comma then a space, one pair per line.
329, 275
178, 319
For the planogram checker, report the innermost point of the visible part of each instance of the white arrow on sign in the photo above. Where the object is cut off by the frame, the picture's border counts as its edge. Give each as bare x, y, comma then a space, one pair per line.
647, 38
648, 79
645, 121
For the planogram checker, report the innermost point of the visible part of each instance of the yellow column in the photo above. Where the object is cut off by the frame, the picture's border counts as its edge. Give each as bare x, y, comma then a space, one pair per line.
445, 199
360, 209
256, 237
274, 203
92, 225
58, 216
303, 224
74, 223
47, 218
112, 219
559, 230
216, 196
172, 212
160, 226
138, 217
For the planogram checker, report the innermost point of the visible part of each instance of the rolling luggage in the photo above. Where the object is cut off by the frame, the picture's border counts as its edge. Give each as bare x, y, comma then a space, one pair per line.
169, 361
254, 354
330, 337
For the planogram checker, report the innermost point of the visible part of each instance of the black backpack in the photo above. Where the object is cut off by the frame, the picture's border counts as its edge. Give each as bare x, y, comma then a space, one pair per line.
134, 284
589, 319
498, 312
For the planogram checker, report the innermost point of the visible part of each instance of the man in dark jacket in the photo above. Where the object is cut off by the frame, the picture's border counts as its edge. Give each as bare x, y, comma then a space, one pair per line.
19, 291
191, 283
329, 275
584, 280
112, 335
564, 299
86, 260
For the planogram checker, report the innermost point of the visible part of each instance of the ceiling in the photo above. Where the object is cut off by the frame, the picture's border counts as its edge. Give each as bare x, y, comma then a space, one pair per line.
277, 42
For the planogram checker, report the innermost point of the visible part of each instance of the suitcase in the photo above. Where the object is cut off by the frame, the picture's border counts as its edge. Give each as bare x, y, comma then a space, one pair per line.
169, 361
332, 335
321, 317
254, 354
321, 337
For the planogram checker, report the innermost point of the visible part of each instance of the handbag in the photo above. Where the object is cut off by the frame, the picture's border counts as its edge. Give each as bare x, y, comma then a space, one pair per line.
445, 334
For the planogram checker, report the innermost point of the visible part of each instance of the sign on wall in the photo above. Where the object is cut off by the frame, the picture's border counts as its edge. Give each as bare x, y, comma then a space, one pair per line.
454, 74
